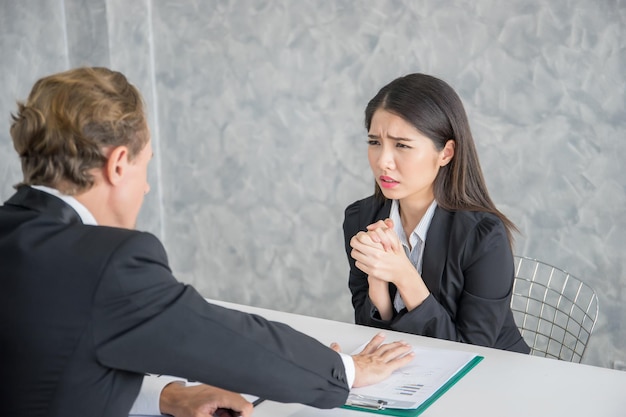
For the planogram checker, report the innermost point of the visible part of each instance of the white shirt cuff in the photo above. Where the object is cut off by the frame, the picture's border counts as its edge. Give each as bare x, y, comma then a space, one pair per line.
147, 402
348, 363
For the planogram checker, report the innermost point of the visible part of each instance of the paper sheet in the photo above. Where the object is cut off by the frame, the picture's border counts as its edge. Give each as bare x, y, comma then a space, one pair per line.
415, 383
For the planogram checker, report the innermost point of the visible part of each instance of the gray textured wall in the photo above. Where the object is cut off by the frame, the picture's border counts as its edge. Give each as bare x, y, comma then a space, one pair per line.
256, 112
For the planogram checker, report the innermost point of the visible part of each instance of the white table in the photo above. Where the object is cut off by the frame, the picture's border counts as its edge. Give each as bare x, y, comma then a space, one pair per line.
503, 384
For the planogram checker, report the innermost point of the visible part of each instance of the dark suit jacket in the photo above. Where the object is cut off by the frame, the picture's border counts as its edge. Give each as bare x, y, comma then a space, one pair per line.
85, 311
468, 268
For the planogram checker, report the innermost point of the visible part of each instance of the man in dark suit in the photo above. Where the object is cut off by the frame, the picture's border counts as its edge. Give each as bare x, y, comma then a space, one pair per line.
88, 305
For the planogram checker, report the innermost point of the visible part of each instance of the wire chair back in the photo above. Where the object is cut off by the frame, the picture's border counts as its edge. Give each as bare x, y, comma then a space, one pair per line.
555, 311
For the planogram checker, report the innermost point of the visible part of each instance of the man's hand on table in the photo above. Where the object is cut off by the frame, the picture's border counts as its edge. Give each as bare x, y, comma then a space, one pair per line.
377, 361
202, 401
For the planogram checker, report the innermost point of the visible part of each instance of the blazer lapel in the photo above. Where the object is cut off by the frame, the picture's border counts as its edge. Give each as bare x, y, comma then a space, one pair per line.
42, 202
378, 210
436, 250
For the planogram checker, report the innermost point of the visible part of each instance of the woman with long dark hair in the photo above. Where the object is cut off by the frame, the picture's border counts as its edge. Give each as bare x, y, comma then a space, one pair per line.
429, 252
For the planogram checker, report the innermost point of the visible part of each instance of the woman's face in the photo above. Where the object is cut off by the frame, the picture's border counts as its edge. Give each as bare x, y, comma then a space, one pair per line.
404, 161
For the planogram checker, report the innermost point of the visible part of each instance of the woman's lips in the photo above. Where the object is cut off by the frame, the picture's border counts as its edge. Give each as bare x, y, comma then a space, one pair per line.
387, 182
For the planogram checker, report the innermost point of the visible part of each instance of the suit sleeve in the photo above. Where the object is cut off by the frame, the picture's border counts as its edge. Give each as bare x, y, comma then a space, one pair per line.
479, 263
365, 312
146, 321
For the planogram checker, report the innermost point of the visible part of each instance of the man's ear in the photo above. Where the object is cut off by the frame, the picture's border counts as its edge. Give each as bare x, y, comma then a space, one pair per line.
447, 153
115, 166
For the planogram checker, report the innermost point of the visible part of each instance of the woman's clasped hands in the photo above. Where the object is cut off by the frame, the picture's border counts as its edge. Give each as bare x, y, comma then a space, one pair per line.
379, 253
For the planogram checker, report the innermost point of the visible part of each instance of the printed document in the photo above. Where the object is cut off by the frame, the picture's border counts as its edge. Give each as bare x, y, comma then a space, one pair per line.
429, 372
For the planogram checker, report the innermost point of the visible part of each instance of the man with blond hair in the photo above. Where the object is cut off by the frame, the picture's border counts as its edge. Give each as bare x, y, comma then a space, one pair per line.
88, 305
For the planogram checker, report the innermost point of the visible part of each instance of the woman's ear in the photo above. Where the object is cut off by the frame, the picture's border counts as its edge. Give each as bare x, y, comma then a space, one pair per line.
447, 153
115, 166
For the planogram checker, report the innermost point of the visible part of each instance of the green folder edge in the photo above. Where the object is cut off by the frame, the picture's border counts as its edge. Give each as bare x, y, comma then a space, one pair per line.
412, 412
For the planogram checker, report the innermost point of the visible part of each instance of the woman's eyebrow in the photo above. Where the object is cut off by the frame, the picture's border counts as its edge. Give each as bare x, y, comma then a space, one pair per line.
396, 138
373, 136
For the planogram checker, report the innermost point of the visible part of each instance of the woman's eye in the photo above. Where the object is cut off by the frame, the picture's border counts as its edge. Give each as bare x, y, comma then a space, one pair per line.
372, 142
402, 145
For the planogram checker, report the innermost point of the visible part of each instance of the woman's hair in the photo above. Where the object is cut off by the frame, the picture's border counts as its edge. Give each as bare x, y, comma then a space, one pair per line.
434, 109
68, 122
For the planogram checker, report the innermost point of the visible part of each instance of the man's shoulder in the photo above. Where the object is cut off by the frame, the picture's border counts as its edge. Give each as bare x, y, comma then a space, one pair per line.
116, 237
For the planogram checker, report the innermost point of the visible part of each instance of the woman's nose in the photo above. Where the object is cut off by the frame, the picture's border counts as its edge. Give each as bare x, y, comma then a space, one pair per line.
385, 159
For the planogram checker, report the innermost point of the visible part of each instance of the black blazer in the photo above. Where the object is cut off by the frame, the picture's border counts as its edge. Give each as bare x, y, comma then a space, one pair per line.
85, 311
468, 268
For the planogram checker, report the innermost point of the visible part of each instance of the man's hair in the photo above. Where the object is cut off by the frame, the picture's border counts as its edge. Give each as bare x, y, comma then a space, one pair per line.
68, 122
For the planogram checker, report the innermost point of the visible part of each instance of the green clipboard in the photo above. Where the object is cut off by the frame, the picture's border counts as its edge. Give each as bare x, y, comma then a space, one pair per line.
412, 412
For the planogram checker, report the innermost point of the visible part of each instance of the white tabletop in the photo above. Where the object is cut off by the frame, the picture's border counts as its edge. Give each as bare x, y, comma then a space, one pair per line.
503, 384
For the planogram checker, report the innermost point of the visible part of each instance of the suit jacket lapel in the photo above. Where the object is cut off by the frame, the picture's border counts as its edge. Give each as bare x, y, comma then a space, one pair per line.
436, 250
377, 211
42, 202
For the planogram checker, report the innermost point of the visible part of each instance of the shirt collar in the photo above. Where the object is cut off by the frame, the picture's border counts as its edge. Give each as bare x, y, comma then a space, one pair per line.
420, 230
85, 215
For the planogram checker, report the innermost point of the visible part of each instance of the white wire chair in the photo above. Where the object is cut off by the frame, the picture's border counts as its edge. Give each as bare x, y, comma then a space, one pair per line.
555, 311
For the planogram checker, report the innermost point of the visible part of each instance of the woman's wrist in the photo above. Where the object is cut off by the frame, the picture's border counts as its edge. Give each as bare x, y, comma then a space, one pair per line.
412, 290
380, 298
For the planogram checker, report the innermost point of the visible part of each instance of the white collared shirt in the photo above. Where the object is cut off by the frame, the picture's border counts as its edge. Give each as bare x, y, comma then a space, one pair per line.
414, 245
